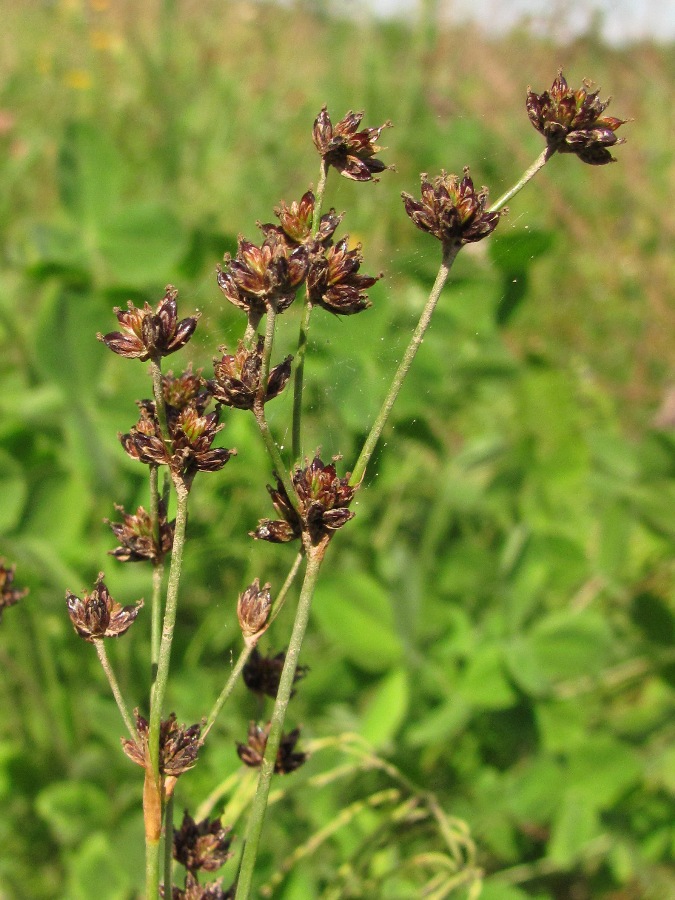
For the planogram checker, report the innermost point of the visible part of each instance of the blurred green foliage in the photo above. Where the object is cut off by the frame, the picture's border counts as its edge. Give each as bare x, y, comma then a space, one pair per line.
498, 619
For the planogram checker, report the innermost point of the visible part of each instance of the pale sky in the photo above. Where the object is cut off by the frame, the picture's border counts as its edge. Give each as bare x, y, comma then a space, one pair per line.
620, 20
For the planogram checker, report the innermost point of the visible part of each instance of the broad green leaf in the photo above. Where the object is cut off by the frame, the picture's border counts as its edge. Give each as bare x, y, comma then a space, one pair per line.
354, 612
570, 645
602, 769
440, 723
574, 827
386, 708
13, 490
485, 683
73, 809
143, 244
90, 173
99, 870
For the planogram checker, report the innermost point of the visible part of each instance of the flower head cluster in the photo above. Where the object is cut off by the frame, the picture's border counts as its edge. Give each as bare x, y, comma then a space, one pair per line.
97, 615
178, 745
186, 389
191, 437
146, 334
253, 752
137, 536
262, 674
573, 121
253, 611
452, 210
201, 846
323, 501
236, 378
350, 151
296, 222
195, 891
9, 595
263, 277
333, 281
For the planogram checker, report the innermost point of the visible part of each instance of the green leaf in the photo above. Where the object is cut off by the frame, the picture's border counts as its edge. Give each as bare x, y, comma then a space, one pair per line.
354, 612
73, 809
13, 492
485, 683
143, 244
575, 825
568, 645
386, 708
98, 870
89, 173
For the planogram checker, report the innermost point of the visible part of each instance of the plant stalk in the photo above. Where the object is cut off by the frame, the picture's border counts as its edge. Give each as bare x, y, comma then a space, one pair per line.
115, 688
538, 164
449, 255
315, 557
303, 337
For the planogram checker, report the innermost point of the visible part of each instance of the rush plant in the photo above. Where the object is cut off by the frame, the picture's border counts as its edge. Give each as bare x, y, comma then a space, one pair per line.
301, 258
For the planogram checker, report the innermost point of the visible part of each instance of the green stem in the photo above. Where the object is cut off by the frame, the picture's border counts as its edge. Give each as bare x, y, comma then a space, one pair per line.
538, 164
449, 255
168, 847
157, 574
314, 559
246, 652
303, 337
160, 403
115, 688
278, 464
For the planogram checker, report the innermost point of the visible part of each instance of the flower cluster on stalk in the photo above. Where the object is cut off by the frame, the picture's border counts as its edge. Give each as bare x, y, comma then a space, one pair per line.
452, 210
139, 539
262, 674
253, 751
323, 501
236, 377
349, 151
9, 595
179, 745
574, 121
96, 615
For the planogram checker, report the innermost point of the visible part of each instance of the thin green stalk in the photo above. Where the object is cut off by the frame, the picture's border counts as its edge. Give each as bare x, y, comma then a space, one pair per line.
315, 557
168, 847
158, 394
157, 574
538, 164
303, 337
152, 794
378, 425
115, 688
259, 412
246, 652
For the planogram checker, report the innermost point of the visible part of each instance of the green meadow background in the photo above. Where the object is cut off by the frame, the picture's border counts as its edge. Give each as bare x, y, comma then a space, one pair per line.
497, 621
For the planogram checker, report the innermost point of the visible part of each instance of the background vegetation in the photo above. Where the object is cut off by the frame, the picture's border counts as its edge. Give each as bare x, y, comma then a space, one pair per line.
498, 619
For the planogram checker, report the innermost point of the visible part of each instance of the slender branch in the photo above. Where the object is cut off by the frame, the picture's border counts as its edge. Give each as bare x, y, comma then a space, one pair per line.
538, 164
157, 573
378, 425
254, 317
159, 687
158, 394
259, 412
315, 557
115, 688
168, 847
303, 337
246, 652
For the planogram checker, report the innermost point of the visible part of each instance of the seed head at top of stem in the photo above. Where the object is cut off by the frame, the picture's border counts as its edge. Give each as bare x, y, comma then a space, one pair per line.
347, 149
574, 121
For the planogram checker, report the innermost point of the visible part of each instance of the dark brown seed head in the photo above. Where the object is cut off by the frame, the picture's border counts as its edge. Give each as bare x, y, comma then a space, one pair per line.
350, 151
178, 745
333, 281
237, 377
97, 615
204, 845
253, 611
138, 538
146, 334
263, 277
195, 891
187, 389
262, 673
8, 595
253, 752
574, 121
452, 210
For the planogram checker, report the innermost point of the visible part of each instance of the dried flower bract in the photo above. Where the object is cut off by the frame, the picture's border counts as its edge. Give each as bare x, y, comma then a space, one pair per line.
452, 210
573, 121
97, 615
350, 151
253, 611
146, 334
204, 845
178, 745
253, 752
